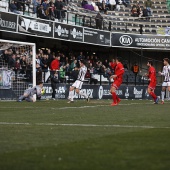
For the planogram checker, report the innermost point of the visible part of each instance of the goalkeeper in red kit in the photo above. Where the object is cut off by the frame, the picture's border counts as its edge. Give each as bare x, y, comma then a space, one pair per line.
152, 81
118, 78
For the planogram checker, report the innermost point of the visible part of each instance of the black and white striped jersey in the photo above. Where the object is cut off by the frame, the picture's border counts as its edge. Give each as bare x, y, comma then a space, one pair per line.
166, 73
82, 73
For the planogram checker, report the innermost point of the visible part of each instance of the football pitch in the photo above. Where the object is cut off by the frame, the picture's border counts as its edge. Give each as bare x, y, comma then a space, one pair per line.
55, 135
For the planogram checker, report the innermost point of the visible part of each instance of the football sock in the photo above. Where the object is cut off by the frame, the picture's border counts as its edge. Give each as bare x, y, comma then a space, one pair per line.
114, 97
71, 95
153, 95
162, 95
83, 94
117, 98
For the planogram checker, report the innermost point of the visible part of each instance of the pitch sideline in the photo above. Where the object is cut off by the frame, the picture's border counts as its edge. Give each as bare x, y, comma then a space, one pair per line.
82, 125
76, 107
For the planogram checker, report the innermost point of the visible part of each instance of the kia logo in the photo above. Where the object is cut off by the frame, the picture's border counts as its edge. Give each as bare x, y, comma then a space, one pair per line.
126, 40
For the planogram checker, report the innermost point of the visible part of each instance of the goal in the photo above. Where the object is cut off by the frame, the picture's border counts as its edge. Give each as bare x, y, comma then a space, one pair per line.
17, 66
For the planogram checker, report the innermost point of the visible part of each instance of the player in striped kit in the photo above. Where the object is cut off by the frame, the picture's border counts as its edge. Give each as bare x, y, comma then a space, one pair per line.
166, 83
77, 85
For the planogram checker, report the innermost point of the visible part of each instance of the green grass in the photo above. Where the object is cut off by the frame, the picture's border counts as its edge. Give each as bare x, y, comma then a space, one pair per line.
84, 136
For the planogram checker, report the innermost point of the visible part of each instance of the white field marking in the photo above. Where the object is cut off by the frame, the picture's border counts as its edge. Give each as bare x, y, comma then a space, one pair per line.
20, 107
82, 107
83, 125
74, 107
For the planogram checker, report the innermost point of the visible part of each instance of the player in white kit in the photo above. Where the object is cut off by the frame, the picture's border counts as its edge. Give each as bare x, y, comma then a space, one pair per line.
166, 83
77, 85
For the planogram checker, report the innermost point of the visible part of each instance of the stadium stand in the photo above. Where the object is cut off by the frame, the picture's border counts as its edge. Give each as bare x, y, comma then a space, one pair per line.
121, 21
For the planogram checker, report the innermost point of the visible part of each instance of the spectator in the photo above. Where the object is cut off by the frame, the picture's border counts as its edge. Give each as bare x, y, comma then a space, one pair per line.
13, 8
58, 6
67, 67
38, 73
55, 64
148, 5
106, 63
36, 4
51, 12
63, 9
88, 63
87, 5
107, 4
63, 59
6, 55
45, 5
45, 63
73, 65
41, 13
140, 12
104, 6
83, 3
50, 56
138, 7
99, 4
99, 21
96, 8
21, 5
17, 67
145, 12
134, 12
92, 78
12, 61
135, 68
112, 5
62, 74
38, 60
23, 64
74, 73
120, 2
99, 68
107, 72
80, 57
54, 81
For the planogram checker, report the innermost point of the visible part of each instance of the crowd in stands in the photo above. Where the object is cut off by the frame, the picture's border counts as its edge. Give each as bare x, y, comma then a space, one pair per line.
142, 11
103, 5
51, 9
66, 66
45, 9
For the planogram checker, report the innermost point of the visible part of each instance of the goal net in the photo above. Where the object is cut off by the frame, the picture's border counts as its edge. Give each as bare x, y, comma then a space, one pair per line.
17, 66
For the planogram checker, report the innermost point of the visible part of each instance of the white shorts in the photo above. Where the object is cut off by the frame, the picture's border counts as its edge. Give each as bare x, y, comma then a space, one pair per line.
166, 84
77, 84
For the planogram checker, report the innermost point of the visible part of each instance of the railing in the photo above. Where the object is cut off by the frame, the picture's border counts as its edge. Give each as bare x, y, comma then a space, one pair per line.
114, 23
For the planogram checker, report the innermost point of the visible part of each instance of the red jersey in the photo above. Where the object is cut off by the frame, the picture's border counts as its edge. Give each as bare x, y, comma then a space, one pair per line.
55, 65
112, 65
152, 74
119, 71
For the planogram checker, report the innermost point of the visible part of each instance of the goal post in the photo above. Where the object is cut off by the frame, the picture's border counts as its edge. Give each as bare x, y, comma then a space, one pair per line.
21, 47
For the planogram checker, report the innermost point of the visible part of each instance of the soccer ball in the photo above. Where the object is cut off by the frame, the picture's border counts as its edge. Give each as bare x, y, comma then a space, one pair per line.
42, 91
